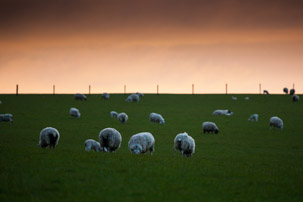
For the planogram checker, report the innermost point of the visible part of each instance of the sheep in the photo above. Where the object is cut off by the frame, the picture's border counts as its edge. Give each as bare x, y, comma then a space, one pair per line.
6, 118
276, 122
49, 137
92, 144
185, 144
113, 114
128, 99
223, 112
292, 91
254, 117
132, 98
74, 112
285, 90
234, 98
295, 98
79, 96
265, 92
141, 143
140, 94
110, 139
122, 117
210, 127
0, 102
105, 96
246, 98
157, 118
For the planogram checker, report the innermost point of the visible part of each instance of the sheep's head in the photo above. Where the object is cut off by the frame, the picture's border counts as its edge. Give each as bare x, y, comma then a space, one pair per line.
136, 149
162, 121
216, 131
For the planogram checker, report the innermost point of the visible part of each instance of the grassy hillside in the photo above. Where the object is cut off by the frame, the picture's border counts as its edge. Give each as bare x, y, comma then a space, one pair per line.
245, 161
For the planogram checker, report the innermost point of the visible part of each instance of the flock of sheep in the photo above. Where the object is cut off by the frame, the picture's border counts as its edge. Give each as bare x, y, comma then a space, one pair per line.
110, 139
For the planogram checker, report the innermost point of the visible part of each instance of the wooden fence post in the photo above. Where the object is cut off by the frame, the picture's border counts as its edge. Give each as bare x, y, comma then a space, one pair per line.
17, 89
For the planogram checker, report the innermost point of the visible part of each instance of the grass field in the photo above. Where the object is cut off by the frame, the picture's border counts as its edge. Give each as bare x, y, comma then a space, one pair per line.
244, 162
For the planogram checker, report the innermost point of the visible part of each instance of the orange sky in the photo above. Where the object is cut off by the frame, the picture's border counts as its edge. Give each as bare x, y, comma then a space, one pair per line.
107, 44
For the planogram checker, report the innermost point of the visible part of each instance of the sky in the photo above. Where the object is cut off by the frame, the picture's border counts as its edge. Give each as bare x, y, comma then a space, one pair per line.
144, 43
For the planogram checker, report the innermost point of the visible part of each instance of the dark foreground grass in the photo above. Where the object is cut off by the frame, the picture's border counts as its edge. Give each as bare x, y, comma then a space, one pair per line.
244, 162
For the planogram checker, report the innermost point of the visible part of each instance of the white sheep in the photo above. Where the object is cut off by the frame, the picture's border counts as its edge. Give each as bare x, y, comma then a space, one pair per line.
110, 139
113, 114
49, 137
234, 98
122, 117
105, 96
210, 127
132, 98
140, 94
276, 122
0, 102
92, 144
6, 118
185, 144
254, 117
74, 112
128, 99
79, 96
295, 98
157, 118
285, 90
292, 91
141, 143
225, 112
246, 98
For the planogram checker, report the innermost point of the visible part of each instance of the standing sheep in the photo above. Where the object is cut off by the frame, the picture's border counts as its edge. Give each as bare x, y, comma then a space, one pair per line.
132, 98
265, 92
6, 118
185, 144
113, 114
210, 127
79, 96
285, 90
49, 137
276, 122
225, 112
74, 112
295, 98
292, 91
140, 94
157, 118
254, 117
122, 117
141, 143
92, 144
105, 96
110, 139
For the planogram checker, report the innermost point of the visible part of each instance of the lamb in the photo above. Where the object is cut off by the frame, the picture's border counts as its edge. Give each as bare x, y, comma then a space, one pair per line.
285, 90
74, 112
295, 98
234, 98
225, 112
157, 118
276, 122
113, 114
210, 127
122, 117
292, 91
79, 96
132, 98
185, 144
254, 117
265, 92
110, 139
105, 96
92, 144
49, 137
140, 94
6, 118
141, 143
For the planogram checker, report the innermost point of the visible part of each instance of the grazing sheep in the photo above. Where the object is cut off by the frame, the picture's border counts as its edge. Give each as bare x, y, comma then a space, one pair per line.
6, 118
140, 94
49, 137
110, 139
285, 90
141, 143
292, 91
185, 144
105, 96
265, 92
92, 144
132, 98
254, 117
210, 127
276, 122
295, 98
113, 114
122, 117
225, 112
0, 102
246, 98
128, 99
79, 96
234, 98
157, 118
74, 112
